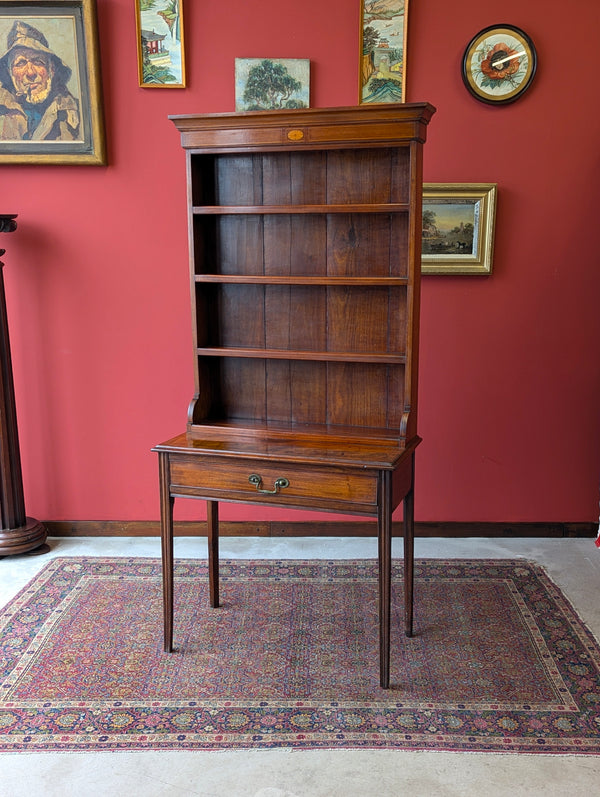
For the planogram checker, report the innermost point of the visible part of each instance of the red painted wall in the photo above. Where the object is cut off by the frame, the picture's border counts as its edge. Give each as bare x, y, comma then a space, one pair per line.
97, 282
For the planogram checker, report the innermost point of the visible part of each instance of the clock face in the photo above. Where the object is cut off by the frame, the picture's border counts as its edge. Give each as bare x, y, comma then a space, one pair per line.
499, 64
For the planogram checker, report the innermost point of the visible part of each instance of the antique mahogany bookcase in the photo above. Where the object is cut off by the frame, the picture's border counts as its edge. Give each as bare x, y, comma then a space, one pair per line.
305, 247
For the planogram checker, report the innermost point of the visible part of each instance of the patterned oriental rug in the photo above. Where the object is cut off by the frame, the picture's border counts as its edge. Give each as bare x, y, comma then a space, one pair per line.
500, 660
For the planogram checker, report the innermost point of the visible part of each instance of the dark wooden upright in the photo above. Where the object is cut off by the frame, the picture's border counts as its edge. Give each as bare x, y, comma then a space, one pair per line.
304, 235
19, 533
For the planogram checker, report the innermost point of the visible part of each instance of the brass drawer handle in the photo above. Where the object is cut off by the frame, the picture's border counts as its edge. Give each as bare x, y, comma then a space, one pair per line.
280, 484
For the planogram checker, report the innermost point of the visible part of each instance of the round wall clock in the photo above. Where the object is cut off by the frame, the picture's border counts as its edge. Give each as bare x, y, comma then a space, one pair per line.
499, 64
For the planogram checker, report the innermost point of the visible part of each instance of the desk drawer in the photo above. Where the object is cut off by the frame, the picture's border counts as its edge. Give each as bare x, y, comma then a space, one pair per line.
230, 479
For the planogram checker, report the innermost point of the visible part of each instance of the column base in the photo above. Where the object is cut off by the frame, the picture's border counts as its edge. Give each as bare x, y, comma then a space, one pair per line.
25, 538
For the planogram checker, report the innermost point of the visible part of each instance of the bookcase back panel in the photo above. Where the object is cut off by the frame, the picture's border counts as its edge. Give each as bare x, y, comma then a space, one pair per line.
366, 245
237, 181
241, 389
235, 316
366, 320
304, 392
296, 391
294, 178
349, 404
350, 320
296, 318
295, 245
365, 175
332, 244
229, 245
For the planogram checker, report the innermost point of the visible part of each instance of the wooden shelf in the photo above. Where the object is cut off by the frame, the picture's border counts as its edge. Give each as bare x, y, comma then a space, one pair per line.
296, 354
230, 210
221, 428
338, 282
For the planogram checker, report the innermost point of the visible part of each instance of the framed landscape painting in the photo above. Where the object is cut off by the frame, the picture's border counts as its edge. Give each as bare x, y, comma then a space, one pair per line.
458, 228
50, 92
263, 84
382, 72
161, 55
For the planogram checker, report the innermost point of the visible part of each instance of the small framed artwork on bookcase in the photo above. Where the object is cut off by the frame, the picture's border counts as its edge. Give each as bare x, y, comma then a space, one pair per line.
272, 84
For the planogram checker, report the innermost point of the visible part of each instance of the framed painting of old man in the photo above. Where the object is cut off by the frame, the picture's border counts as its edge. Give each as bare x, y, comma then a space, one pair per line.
50, 94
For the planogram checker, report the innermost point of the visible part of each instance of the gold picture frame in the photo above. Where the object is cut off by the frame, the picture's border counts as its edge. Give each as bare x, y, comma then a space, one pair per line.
458, 228
68, 127
160, 47
382, 56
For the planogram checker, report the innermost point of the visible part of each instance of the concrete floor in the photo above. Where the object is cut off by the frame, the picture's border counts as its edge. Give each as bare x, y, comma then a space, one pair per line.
574, 564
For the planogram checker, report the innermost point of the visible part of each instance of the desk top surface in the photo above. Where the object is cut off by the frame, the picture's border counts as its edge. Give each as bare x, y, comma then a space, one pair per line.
330, 450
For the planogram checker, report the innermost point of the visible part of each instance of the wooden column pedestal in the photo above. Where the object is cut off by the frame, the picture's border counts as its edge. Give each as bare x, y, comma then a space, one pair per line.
19, 533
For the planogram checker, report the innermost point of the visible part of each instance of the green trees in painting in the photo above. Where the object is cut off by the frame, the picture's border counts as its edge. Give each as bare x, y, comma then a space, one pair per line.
370, 39
446, 241
270, 85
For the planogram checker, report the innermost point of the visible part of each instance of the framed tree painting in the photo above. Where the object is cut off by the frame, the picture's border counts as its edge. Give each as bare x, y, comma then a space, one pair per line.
161, 56
50, 92
382, 72
271, 83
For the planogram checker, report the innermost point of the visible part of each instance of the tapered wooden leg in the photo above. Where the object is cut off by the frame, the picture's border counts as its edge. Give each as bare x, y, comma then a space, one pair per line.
166, 533
212, 509
384, 523
409, 558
